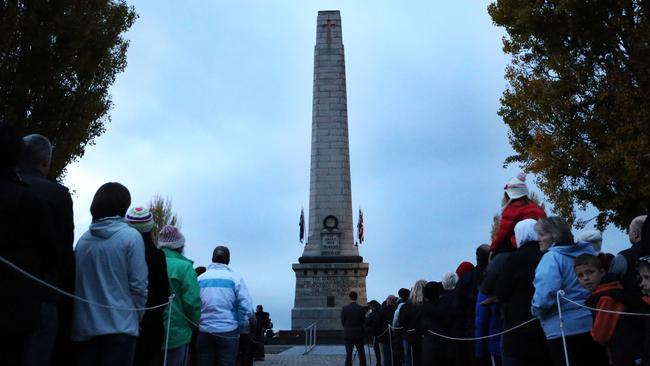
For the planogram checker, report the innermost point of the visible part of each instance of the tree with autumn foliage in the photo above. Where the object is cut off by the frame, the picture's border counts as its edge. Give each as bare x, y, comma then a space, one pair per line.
57, 61
161, 210
578, 101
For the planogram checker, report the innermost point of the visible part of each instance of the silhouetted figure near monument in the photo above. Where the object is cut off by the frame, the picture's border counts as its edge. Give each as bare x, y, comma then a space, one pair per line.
372, 326
52, 341
386, 314
225, 306
353, 318
263, 324
150, 341
27, 233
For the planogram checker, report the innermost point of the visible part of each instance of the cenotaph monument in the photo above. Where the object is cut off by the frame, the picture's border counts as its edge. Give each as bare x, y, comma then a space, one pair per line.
330, 266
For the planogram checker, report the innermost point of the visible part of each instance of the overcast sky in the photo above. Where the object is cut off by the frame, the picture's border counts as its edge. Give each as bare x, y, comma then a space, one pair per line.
214, 111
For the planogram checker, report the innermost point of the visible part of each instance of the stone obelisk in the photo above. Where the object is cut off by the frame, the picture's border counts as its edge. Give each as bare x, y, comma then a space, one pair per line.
330, 266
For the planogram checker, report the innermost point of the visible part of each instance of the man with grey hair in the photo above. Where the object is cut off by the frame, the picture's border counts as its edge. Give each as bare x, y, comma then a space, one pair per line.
623, 265
56, 312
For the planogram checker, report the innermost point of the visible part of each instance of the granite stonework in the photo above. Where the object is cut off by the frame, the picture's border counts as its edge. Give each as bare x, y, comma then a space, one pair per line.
330, 266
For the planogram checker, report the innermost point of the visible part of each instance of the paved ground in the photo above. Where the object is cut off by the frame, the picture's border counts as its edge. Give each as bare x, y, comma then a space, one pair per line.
319, 356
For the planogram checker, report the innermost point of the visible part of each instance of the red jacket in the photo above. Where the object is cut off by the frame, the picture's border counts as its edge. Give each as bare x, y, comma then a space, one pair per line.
514, 212
622, 335
605, 323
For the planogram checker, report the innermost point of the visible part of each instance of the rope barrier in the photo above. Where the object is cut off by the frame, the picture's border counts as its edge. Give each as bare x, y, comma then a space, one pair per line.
169, 320
604, 310
46, 284
559, 294
484, 337
52, 287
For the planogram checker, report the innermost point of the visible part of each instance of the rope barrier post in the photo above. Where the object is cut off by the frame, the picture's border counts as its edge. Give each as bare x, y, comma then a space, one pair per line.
169, 321
559, 310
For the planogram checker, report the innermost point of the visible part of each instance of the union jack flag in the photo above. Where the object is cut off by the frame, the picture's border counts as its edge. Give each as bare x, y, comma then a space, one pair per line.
360, 230
302, 225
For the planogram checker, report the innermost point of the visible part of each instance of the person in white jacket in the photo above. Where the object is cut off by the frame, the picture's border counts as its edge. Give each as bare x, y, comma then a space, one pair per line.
225, 307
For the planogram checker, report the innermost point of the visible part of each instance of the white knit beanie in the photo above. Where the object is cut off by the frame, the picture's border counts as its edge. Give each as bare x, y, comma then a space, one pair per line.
594, 237
516, 187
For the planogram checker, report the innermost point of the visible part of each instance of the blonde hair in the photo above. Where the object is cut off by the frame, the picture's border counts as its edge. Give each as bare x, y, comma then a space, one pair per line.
417, 292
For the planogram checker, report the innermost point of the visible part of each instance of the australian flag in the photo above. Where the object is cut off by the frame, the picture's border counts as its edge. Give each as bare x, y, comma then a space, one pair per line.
302, 225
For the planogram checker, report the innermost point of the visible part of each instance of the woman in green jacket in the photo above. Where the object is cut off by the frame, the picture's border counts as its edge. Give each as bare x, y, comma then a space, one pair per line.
186, 309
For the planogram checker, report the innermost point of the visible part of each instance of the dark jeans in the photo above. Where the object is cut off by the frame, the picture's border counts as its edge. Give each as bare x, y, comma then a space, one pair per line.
245, 357
358, 343
179, 356
217, 348
582, 350
107, 350
41, 343
387, 354
375, 347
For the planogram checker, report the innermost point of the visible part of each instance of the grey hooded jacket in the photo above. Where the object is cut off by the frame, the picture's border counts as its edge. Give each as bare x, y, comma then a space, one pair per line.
111, 270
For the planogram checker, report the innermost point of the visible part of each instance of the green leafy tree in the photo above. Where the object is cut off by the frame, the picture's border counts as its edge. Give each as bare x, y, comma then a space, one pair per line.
58, 59
161, 210
578, 101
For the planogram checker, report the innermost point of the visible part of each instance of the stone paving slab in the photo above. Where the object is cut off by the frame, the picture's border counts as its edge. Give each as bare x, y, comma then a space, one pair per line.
317, 351
309, 360
324, 355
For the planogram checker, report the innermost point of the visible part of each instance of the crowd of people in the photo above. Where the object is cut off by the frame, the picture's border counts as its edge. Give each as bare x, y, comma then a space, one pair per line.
534, 296
117, 297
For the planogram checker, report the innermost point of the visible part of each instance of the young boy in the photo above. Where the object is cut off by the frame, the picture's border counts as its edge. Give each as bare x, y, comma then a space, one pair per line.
620, 334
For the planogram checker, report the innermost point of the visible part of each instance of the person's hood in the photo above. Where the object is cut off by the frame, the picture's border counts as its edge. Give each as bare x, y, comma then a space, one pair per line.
107, 227
573, 250
525, 231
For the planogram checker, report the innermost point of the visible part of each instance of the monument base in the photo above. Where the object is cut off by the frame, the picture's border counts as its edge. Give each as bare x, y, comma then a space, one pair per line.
322, 289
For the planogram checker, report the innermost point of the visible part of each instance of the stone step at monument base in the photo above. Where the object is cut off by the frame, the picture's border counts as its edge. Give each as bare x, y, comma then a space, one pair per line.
297, 337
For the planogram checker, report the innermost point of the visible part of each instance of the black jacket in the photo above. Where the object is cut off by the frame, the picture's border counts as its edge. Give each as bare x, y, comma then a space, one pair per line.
373, 323
59, 202
386, 314
410, 317
27, 233
464, 303
353, 319
157, 292
515, 290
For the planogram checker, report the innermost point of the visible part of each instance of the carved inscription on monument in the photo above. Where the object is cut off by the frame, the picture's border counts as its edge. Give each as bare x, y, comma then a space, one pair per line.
330, 244
330, 285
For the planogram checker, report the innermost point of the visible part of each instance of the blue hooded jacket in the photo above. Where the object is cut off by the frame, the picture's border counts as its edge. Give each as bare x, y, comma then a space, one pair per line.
111, 270
555, 272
